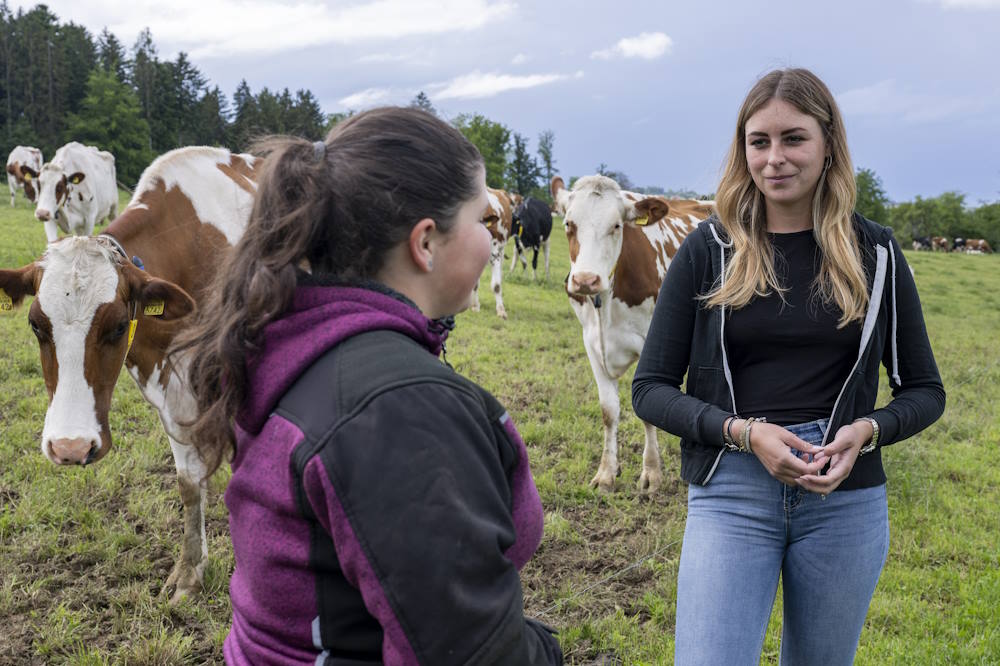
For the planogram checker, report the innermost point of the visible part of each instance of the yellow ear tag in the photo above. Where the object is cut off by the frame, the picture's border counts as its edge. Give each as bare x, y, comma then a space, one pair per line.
26, 176
153, 309
642, 221
6, 302
131, 333
75, 180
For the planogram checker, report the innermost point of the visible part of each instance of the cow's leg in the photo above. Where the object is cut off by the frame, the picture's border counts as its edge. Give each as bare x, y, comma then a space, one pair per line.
496, 277
513, 260
474, 299
188, 572
652, 472
545, 249
13, 190
534, 264
607, 391
51, 231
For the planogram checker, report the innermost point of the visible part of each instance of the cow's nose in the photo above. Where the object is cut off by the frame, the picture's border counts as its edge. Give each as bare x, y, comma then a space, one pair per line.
586, 283
78, 451
43, 214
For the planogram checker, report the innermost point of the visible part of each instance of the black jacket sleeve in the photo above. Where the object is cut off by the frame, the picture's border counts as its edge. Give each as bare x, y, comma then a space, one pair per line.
918, 397
656, 394
418, 477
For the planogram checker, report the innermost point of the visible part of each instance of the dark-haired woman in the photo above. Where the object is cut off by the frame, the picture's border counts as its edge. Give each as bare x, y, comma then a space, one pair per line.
779, 310
381, 505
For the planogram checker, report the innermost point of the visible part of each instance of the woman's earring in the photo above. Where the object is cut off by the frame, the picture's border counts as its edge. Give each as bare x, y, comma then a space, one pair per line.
430, 264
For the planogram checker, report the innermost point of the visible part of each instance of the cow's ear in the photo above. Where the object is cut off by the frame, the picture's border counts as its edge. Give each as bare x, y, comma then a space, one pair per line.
157, 298
76, 178
649, 210
560, 195
165, 300
28, 173
17, 283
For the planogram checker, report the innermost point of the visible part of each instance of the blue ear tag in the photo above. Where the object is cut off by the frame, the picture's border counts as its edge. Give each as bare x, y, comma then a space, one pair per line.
138, 263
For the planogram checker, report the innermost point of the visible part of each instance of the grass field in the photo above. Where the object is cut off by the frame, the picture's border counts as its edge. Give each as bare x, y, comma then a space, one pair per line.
84, 551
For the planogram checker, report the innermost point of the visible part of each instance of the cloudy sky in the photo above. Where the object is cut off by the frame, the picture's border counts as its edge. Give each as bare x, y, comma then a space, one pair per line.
651, 88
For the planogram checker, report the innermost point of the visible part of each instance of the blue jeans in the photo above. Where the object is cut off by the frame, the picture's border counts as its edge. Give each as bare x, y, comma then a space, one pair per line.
744, 528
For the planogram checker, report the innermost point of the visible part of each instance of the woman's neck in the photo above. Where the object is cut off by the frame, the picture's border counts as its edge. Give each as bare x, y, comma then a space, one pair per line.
788, 219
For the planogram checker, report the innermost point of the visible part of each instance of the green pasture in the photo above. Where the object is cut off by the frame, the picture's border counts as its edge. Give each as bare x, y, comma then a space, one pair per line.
84, 551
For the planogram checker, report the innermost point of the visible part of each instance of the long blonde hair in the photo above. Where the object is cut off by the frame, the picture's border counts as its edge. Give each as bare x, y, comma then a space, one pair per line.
740, 204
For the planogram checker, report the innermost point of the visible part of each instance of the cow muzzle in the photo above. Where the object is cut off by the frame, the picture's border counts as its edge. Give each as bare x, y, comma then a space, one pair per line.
585, 283
43, 215
76, 451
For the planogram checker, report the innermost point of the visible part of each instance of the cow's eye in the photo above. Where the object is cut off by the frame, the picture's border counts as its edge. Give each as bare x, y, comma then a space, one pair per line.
37, 330
116, 334
618, 225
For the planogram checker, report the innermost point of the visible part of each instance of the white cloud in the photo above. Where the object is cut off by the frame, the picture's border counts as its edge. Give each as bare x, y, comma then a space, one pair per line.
519, 59
477, 85
887, 98
366, 98
647, 45
231, 27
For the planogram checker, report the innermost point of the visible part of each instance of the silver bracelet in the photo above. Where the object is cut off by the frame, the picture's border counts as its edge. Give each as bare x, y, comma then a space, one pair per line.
870, 445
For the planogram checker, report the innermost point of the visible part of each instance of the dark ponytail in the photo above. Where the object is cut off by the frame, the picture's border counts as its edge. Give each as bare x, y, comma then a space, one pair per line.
338, 208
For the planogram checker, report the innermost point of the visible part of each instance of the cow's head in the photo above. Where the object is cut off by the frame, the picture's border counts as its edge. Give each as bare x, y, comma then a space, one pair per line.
54, 187
28, 177
87, 295
596, 213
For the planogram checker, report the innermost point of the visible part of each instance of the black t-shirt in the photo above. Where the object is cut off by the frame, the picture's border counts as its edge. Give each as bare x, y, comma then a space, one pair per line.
788, 358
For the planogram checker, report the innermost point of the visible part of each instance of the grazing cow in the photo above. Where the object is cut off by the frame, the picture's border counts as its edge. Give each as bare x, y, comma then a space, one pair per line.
532, 225
497, 218
76, 189
939, 244
922, 243
620, 245
23, 165
119, 299
958, 245
977, 246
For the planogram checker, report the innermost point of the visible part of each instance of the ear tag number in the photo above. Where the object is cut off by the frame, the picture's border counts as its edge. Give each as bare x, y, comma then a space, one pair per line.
642, 221
6, 302
153, 309
131, 334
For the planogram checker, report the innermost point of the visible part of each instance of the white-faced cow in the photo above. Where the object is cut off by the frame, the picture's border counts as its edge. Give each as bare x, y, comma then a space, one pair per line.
23, 165
76, 189
96, 309
497, 218
531, 228
620, 244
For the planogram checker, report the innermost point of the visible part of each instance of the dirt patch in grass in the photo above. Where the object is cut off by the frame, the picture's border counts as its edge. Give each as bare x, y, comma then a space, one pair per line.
569, 583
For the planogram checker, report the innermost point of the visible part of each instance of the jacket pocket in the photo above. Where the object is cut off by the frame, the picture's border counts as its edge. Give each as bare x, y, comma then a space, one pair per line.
710, 386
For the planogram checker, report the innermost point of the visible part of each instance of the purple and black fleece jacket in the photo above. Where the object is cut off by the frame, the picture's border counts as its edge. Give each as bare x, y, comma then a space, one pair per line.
381, 505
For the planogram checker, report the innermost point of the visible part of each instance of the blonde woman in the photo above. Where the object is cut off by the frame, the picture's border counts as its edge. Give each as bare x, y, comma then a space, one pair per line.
779, 310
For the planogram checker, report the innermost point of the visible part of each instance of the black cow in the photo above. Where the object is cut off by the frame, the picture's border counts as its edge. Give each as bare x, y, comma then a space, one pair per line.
958, 245
922, 243
531, 227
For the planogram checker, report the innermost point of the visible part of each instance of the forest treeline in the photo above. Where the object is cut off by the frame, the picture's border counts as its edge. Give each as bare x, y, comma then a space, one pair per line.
59, 83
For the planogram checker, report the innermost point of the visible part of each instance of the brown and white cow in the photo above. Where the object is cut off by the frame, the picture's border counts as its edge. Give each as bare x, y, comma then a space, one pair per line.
497, 218
23, 165
620, 244
76, 189
939, 244
91, 297
977, 246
